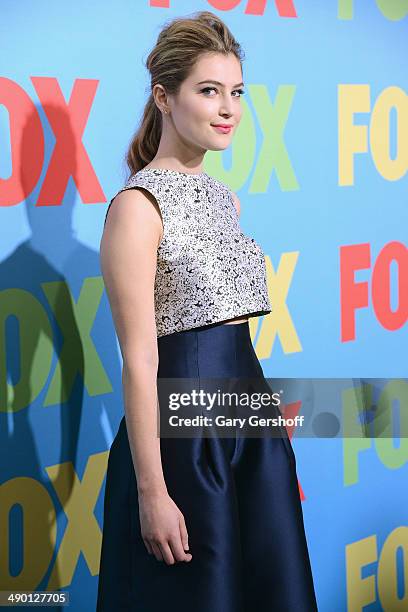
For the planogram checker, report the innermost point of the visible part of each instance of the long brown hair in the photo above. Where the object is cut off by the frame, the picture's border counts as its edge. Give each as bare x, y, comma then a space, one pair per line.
179, 45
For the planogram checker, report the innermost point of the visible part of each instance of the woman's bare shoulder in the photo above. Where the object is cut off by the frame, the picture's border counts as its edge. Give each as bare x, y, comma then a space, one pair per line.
134, 213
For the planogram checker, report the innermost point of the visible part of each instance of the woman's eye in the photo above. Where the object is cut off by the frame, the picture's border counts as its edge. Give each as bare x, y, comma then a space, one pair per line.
240, 91
208, 89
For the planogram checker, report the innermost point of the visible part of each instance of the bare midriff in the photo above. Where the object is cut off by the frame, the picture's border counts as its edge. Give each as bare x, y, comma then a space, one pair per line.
232, 321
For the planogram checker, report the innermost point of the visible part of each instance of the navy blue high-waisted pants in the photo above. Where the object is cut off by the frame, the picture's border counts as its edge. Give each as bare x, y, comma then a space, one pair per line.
239, 497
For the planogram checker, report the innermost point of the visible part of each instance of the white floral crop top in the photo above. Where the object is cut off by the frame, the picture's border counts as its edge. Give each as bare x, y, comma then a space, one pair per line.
208, 270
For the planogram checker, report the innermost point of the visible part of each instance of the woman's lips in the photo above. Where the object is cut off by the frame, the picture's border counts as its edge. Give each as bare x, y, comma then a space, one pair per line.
222, 130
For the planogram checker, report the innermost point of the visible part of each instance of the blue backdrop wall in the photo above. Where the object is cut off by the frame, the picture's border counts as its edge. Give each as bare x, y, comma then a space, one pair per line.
320, 164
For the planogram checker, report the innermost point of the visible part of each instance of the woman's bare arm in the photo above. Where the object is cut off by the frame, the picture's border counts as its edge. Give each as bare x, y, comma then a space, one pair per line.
128, 262
128, 257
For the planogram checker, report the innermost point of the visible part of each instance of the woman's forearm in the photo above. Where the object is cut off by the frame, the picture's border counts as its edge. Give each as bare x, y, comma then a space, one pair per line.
141, 407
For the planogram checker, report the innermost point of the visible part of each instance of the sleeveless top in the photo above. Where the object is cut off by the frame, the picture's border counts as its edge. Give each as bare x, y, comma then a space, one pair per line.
208, 270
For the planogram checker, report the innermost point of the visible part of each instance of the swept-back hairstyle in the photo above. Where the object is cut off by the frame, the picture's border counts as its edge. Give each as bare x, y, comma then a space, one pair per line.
179, 45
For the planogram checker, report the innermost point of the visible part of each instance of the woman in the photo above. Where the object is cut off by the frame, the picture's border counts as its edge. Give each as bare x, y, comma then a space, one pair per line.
199, 523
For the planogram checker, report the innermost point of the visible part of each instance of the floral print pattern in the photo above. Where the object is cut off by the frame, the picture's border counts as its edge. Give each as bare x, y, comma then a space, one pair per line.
208, 270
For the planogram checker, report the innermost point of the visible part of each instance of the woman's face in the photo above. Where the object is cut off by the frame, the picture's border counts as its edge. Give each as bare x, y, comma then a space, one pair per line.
202, 103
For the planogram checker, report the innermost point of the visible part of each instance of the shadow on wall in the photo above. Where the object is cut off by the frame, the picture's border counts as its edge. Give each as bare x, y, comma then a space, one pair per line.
51, 369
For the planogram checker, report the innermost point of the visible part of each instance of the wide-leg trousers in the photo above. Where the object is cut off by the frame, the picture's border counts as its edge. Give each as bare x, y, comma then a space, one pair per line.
239, 497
